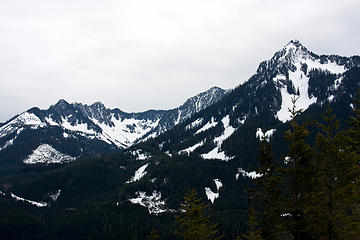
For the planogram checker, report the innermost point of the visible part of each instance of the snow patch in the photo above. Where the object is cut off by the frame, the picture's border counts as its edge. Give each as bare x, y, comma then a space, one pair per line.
192, 148
338, 83
37, 204
8, 143
27, 118
178, 117
125, 132
153, 203
54, 196
301, 83
287, 160
140, 155
242, 120
228, 131
218, 183
47, 154
194, 124
140, 173
252, 174
207, 126
331, 98
121, 132
78, 127
216, 153
330, 66
267, 135
50, 121
211, 195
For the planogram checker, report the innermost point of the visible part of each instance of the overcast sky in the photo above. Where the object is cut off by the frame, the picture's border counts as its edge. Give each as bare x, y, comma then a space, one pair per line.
143, 54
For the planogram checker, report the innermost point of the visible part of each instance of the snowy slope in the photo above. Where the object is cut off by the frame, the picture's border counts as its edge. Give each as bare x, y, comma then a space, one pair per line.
47, 154
140, 173
217, 153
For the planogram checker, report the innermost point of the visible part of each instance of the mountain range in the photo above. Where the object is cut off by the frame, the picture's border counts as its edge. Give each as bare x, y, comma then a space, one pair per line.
149, 160
65, 132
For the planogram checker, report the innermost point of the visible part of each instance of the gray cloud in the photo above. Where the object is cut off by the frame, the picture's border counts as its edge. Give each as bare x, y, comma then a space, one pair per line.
142, 54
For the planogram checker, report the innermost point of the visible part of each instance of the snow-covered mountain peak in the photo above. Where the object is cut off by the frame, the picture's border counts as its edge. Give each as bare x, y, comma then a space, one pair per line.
294, 49
295, 45
294, 71
291, 53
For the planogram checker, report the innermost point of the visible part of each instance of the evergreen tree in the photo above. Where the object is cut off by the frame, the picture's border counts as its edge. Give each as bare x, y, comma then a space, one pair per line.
328, 161
337, 198
265, 223
349, 193
194, 224
354, 130
153, 235
298, 179
253, 232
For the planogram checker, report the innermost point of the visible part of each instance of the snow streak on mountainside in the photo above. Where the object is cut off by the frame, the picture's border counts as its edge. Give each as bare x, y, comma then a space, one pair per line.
217, 153
37, 204
139, 174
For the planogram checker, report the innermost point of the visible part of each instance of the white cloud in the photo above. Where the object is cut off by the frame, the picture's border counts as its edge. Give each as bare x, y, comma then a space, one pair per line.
143, 54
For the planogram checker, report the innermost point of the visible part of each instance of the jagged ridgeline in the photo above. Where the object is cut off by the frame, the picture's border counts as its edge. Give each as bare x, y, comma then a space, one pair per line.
210, 143
66, 132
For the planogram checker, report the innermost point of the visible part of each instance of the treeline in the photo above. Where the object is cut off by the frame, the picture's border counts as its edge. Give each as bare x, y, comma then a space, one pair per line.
312, 192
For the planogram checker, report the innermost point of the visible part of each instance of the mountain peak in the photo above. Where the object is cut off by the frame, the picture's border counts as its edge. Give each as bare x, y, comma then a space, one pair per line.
61, 104
62, 101
98, 105
294, 49
214, 89
294, 43
292, 52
